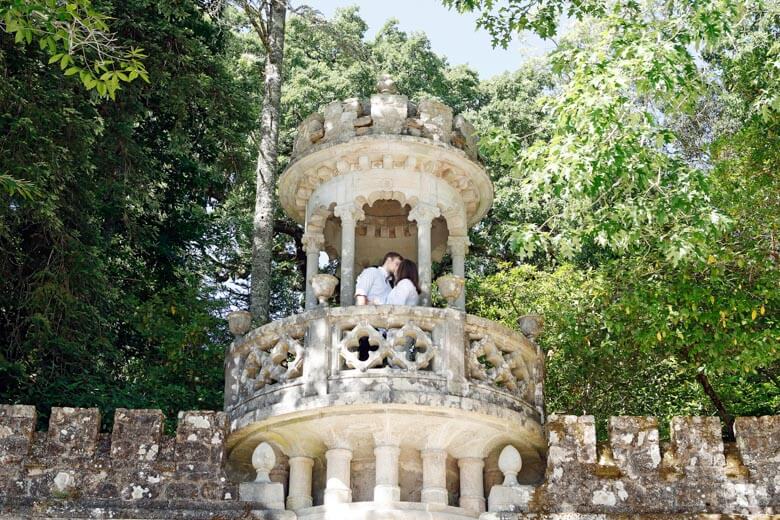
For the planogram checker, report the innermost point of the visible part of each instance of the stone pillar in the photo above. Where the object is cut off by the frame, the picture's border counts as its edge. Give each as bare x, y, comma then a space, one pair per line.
424, 214
387, 488
299, 495
312, 244
349, 214
337, 487
472, 491
459, 246
434, 490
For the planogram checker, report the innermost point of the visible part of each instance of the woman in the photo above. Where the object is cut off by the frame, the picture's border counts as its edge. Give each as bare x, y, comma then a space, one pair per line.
407, 285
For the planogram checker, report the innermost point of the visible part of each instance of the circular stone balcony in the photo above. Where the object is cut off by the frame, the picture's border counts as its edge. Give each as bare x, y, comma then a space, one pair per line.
439, 381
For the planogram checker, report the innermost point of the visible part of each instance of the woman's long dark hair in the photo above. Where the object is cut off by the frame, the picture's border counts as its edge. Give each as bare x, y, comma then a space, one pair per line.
408, 270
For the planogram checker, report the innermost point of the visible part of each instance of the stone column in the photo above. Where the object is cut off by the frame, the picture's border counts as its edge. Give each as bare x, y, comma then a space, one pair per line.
459, 246
299, 495
472, 490
349, 214
424, 214
312, 244
434, 490
337, 487
387, 488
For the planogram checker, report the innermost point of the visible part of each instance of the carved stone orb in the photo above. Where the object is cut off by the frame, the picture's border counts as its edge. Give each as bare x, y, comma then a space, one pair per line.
531, 325
239, 322
510, 463
324, 285
385, 85
263, 460
450, 287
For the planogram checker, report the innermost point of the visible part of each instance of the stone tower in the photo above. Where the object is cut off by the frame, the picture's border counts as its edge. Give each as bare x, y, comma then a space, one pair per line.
419, 433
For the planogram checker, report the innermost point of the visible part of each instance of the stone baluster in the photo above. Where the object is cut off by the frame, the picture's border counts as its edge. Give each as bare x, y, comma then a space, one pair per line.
423, 214
386, 488
349, 214
299, 495
337, 487
434, 489
472, 492
459, 246
312, 244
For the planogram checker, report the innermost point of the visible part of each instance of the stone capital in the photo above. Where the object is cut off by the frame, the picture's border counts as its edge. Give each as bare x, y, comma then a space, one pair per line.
459, 245
349, 212
313, 242
424, 213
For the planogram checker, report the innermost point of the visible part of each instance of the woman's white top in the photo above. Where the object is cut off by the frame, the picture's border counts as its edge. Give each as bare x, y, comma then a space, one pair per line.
404, 293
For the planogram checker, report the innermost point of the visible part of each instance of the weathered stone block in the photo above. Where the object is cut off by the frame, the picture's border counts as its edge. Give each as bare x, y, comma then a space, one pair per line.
17, 426
635, 447
571, 440
182, 491
73, 432
310, 131
200, 438
436, 118
136, 436
339, 119
142, 484
697, 446
464, 136
388, 112
758, 440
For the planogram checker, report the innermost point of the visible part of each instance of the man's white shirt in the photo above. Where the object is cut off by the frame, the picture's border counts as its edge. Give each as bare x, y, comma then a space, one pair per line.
374, 284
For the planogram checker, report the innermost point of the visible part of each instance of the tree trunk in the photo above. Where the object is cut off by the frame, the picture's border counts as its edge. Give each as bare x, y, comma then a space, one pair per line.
263, 224
725, 416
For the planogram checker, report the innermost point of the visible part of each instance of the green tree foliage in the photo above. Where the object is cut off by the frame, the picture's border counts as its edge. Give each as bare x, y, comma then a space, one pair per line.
104, 297
77, 37
656, 175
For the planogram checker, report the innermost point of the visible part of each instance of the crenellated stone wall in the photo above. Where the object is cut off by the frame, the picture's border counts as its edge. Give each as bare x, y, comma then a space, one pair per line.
635, 474
74, 471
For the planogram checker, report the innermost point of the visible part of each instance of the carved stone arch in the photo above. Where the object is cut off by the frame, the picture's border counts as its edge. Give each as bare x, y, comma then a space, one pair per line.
317, 217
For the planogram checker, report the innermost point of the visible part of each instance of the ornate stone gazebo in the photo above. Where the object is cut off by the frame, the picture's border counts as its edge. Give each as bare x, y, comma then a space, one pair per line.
415, 433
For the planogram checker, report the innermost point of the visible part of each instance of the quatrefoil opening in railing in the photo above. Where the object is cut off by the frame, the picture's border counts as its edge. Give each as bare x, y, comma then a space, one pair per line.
350, 347
406, 348
412, 348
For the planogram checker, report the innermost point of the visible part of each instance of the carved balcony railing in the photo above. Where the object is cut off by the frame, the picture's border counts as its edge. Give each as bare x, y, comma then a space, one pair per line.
411, 349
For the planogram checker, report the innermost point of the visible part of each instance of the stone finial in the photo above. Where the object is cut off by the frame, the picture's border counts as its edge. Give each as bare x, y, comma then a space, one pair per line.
531, 325
510, 463
385, 84
450, 287
263, 460
324, 286
239, 322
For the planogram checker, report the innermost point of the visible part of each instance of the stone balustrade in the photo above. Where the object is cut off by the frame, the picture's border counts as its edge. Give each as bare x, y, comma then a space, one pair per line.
412, 349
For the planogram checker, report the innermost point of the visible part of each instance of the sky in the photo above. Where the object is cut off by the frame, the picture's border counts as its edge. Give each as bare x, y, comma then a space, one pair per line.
452, 34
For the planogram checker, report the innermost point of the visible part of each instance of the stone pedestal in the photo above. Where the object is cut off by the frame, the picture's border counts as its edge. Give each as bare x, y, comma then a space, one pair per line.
269, 494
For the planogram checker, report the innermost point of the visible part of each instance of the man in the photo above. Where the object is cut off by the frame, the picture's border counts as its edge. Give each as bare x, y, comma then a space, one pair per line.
372, 287
374, 283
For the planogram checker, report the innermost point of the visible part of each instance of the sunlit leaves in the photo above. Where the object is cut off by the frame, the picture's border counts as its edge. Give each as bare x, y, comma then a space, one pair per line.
78, 38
